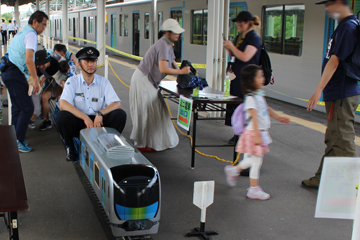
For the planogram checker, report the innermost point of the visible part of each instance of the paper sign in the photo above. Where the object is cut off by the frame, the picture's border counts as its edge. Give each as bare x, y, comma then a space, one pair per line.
337, 191
184, 112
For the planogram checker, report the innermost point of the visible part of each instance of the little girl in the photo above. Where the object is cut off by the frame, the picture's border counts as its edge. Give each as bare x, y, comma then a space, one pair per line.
255, 139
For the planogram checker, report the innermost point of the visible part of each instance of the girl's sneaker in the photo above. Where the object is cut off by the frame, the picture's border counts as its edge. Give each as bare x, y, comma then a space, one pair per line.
231, 175
257, 193
23, 148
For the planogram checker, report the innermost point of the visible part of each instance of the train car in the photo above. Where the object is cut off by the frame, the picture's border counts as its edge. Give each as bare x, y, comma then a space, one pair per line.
295, 34
125, 182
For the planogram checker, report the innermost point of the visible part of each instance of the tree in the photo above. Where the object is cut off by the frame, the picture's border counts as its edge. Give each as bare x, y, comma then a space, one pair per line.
7, 16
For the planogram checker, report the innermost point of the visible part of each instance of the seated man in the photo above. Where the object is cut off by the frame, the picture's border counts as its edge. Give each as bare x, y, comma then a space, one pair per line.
83, 102
51, 85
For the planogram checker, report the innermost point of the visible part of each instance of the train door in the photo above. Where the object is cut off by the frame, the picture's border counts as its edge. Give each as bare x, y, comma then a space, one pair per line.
95, 30
55, 28
74, 29
113, 30
60, 30
176, 13
136, 34
85, 28
235, 9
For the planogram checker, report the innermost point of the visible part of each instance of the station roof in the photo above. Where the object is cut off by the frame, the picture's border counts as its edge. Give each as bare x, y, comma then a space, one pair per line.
11, 3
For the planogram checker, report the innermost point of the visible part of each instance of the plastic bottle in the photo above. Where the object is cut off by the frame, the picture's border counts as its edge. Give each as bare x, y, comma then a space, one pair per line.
227, 86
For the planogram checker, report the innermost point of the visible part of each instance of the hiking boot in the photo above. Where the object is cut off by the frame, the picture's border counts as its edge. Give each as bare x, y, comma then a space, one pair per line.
312, 182
23, 148
231, 175
32, 124
45, 125
257, 193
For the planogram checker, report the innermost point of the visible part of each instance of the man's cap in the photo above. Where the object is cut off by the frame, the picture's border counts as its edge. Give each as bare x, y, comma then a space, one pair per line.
42, 57
244, 16
89, 53
172, 25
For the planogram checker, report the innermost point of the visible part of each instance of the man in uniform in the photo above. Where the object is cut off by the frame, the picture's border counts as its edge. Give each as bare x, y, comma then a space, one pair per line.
21, 66
11, 29
340, 92
83, 102
16, 27
3, 32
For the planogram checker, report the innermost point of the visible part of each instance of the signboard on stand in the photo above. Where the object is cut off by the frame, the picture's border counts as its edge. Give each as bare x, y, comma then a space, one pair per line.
184, 112
337, 190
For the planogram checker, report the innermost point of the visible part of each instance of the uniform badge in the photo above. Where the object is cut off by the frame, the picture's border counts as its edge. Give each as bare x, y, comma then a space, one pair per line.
68, 82
90, 52
95, 99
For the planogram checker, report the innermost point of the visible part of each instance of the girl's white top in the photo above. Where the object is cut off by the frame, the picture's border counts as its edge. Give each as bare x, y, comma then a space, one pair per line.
258, 103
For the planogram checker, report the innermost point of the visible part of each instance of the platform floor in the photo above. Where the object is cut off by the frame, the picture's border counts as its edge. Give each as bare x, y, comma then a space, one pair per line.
61, 206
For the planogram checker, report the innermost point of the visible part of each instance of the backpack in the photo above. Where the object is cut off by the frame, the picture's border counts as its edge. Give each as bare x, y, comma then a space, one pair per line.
352, 63
265, 64
238, 119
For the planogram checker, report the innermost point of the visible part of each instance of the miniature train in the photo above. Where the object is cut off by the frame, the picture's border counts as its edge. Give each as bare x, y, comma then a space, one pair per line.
125, 182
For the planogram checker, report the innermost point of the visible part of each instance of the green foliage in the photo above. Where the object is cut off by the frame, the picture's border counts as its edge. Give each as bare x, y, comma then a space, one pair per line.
7, 16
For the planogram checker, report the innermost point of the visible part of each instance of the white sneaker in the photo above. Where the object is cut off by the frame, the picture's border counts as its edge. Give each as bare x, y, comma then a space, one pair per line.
231, 175
257, 193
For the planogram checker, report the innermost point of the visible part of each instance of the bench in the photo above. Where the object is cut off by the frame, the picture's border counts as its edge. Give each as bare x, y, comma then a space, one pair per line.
13, 196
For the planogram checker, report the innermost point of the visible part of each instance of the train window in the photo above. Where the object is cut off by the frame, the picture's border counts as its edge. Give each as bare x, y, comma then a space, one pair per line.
283, 29
126, 21
69, 24
160, 20
97, 175
147, 26
91, 23
121, 25
199, 27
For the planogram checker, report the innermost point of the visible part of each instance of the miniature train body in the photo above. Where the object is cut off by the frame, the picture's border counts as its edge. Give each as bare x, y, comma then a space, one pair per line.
125, 182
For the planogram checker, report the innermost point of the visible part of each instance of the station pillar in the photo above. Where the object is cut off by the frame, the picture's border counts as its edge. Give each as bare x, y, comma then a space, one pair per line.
17, 13
47, 11
216, 55
153, 28
101, 30
65, 22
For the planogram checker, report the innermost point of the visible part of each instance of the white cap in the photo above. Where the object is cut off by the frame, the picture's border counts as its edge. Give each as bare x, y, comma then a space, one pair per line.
172, 25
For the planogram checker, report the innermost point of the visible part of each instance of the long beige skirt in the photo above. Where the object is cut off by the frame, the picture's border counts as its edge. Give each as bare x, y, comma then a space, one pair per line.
152, 125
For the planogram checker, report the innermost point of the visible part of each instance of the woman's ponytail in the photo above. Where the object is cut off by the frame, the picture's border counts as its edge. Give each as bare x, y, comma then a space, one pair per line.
256, 20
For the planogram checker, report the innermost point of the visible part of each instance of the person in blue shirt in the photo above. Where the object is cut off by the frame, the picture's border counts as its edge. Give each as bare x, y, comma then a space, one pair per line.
340, 93
83, 102
21, 66
244, 51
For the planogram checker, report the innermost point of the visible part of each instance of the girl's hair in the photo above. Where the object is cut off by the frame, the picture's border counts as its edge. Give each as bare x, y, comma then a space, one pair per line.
248, 75
255, 22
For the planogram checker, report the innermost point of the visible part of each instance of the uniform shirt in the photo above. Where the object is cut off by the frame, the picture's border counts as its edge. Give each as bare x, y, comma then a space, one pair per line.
342, 44
252, 39
149, 65
3, 26
89, 99
16, 27
11, 27
258, 103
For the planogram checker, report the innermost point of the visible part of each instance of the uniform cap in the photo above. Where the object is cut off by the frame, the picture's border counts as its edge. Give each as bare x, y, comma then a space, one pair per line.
42, 57
90, 53
172, 25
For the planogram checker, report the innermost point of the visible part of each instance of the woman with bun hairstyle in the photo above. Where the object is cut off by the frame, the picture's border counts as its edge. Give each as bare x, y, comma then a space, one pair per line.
246, 50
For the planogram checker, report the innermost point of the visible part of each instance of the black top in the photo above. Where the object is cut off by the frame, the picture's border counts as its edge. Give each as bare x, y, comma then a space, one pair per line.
52, 69
253, 39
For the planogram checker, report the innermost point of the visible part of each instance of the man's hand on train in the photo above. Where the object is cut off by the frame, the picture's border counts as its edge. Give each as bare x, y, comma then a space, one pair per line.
313, 100
88, 122
98, 121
